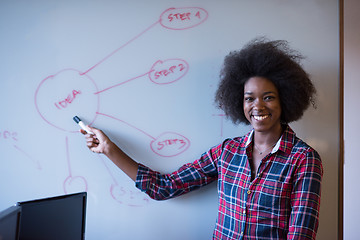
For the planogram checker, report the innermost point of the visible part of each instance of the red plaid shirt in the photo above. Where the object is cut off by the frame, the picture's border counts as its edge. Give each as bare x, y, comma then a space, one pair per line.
282, 202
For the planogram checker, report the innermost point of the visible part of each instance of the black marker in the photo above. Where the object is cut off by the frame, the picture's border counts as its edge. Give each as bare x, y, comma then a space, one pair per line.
82, 125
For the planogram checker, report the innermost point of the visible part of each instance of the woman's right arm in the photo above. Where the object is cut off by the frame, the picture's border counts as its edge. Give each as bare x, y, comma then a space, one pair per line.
158, 186
188, 177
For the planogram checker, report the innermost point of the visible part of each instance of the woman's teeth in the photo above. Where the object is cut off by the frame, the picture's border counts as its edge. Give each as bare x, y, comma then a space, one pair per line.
259, 118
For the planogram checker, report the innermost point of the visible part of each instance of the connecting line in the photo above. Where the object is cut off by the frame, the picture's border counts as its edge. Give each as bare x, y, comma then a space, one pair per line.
145, 133
38, 166
108, 170
68, 155
116, 85
108, 56
222, 115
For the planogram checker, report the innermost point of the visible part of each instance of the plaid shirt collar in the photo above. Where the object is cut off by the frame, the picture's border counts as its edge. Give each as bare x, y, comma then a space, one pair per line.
285, 143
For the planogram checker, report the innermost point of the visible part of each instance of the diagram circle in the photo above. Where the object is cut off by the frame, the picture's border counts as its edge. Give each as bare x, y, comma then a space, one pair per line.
66, 94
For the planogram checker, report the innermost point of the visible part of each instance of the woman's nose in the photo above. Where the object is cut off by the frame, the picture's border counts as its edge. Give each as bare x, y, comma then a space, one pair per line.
259, 104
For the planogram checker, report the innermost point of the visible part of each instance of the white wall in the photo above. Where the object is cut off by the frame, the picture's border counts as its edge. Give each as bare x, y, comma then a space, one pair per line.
351, 119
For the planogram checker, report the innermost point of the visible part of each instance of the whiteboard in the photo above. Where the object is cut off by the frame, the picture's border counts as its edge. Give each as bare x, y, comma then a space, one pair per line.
145, 72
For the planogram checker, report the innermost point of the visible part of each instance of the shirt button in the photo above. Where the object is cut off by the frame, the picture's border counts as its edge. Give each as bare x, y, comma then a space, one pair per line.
242, 233
244, 211
248, 192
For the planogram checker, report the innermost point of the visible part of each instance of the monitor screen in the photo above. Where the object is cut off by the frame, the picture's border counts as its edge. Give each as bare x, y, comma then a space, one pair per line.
61, 217
9, 223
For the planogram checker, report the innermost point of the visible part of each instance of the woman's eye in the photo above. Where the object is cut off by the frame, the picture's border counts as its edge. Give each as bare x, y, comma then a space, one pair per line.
248, 99
269, 98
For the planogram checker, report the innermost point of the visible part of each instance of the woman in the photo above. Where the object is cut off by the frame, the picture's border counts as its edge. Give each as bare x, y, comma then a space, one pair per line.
268, 180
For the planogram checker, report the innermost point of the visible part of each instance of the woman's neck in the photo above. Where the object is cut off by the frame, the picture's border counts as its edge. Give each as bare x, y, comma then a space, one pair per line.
267, 139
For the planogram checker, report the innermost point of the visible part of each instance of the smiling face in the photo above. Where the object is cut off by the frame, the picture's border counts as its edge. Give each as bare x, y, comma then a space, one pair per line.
262, 106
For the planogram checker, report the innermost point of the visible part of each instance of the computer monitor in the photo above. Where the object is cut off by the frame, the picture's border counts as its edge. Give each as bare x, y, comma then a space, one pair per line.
9, 223
61, 217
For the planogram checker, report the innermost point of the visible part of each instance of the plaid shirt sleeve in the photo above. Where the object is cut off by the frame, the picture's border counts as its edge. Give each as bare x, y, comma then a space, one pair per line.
189, 177
305, 197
